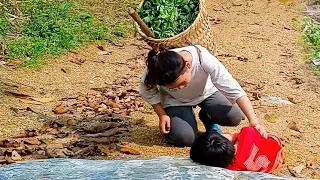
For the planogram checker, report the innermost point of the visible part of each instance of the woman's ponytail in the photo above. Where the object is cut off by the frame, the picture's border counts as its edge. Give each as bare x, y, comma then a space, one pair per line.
152, 63
164, 67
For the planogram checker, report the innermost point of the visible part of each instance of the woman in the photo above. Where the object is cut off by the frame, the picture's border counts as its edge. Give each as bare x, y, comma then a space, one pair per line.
180, 79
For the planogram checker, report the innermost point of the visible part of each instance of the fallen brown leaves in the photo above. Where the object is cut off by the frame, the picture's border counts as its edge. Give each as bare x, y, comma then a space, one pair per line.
25, 98
60, 109
296, 171
118, 98
129, 150
271, 117
88, 125
293, 125
99, 136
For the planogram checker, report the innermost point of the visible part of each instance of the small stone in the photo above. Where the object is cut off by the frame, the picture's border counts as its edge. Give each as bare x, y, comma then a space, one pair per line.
297, 170
277, 100
316, 62
16, 156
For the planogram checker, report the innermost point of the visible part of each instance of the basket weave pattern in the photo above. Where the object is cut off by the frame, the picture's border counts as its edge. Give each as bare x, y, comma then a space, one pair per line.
198, 33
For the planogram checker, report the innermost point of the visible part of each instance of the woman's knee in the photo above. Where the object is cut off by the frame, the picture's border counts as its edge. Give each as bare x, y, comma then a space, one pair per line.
235, 116
181, 133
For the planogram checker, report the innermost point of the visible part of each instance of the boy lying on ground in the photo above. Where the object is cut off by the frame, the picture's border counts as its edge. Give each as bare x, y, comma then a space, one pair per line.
244, 151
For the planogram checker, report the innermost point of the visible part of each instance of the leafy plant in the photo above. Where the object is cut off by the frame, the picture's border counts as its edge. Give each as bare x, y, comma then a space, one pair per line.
167, 18
311, 30
311, 36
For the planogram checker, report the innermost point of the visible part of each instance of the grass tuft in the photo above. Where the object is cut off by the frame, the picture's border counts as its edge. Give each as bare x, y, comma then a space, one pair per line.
34, 30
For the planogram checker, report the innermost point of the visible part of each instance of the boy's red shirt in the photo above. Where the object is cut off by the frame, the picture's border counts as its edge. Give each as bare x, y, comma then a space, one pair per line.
256, 153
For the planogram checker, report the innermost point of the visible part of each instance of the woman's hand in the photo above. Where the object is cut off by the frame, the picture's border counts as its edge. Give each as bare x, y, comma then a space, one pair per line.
260, 129
164, 119
164, 124
246, 107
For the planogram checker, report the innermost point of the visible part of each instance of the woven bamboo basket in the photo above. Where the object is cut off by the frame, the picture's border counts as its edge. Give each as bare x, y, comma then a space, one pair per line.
198, 33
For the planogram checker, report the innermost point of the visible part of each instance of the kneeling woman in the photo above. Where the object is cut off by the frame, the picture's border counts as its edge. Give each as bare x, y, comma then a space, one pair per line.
177, 80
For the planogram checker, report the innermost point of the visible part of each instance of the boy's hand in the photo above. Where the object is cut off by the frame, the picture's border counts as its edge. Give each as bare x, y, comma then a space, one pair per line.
260, 129
164, 124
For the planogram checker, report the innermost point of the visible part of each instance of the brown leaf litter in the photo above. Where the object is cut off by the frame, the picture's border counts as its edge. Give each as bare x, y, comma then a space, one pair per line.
116, 98
27, 98
293, 125
58, 140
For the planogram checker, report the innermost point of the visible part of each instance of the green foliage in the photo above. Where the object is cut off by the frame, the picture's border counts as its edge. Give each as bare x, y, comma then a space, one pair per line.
316, 70
50, 28
167, 18
119, 31
311, 36
4, 26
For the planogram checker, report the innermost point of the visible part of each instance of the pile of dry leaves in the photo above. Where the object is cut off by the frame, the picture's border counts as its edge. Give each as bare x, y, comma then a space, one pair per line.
99, 136
117, 98
87, 125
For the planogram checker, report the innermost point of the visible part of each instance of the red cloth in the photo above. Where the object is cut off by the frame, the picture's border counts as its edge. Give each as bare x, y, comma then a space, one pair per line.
256, 153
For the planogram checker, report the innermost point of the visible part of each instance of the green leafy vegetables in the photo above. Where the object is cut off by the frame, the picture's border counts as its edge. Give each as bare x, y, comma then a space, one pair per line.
167, 18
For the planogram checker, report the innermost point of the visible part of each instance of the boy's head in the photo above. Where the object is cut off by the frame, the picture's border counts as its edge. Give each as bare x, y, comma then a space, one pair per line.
212, 149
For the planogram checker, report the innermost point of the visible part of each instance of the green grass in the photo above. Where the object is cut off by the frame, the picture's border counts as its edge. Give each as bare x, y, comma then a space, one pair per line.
48, 28
311, 38
316, 70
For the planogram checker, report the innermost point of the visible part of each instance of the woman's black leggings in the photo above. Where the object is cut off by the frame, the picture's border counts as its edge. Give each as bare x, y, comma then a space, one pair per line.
216, 109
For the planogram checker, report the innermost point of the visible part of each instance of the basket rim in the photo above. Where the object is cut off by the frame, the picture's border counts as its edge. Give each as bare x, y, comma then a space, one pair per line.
201, 10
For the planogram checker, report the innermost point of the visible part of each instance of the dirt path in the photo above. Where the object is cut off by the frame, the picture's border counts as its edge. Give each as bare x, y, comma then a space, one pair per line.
264, 32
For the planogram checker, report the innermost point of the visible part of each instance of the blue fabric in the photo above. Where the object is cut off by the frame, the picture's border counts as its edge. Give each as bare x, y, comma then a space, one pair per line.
216, 128
157, 168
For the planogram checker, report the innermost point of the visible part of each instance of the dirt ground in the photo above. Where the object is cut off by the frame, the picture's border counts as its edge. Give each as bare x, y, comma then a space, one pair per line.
262, 31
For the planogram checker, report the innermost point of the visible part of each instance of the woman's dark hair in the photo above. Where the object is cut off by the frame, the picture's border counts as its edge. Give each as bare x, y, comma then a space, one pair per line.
212, 149
163, 68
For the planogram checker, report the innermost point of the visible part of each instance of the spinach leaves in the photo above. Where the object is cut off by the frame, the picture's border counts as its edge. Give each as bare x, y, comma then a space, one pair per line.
167, 18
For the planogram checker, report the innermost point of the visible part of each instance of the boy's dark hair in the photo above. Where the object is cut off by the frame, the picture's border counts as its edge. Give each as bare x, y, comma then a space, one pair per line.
163, 68
212, 149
